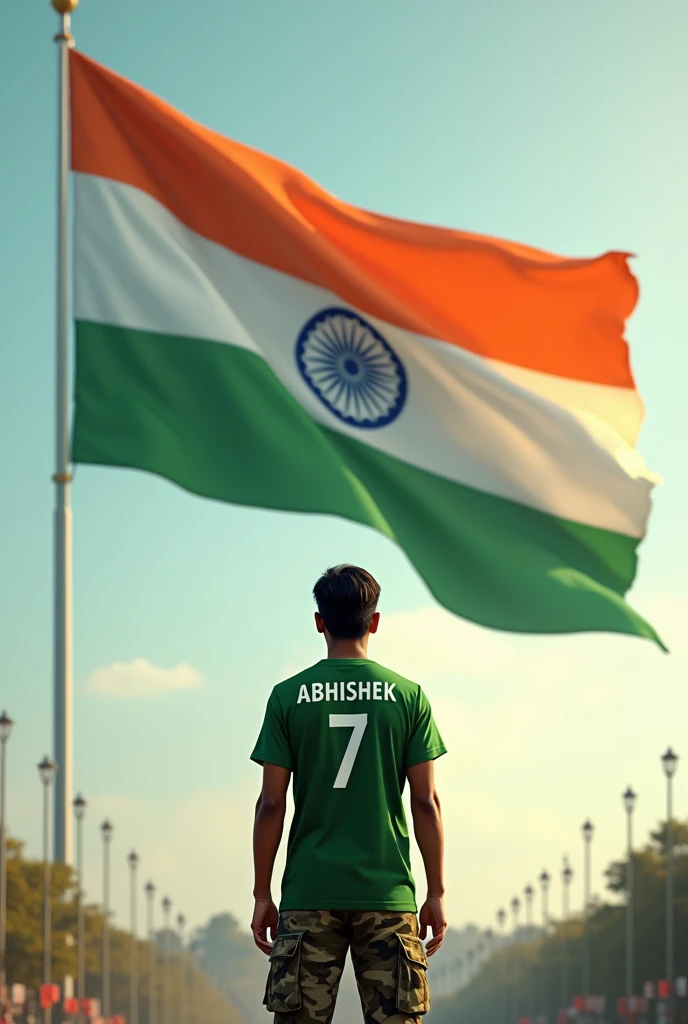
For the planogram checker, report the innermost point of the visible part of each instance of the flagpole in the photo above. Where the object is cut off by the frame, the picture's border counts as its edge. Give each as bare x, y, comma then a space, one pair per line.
62, 637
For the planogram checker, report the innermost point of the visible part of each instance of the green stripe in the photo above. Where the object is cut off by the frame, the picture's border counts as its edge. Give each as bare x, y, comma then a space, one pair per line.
216, 421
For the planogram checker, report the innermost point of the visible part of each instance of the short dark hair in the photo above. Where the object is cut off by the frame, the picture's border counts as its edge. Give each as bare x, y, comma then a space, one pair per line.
347, 597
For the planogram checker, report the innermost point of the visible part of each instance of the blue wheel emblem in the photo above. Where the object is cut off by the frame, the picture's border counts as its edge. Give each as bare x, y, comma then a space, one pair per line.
351, 368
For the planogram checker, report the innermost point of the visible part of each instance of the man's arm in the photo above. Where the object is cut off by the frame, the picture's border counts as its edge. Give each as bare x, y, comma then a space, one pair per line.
267, 833
427, 823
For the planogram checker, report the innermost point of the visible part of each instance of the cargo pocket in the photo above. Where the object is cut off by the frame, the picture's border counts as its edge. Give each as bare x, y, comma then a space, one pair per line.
283, 991
413, 991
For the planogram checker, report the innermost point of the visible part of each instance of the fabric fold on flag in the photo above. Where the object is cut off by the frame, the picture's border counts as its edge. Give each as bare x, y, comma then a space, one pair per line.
255, 340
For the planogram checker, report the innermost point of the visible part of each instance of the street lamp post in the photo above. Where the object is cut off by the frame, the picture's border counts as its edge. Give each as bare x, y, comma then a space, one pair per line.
588, 830
515, 911
181, 924
106, 830
489, 944
501, 921
152, 980
47, 770
79, 805
489, 935
629, 798
166, 908
133, 861
544, 880
529, 893
6, 724
566, 876
670, 764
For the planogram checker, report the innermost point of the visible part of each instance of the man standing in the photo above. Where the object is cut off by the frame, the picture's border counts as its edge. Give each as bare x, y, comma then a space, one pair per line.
352, 733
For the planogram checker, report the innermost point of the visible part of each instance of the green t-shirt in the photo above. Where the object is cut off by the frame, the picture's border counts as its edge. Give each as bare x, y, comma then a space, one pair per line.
348, 730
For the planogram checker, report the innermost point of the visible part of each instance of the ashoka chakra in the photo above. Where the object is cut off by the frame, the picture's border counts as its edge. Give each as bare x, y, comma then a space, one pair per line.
351, 368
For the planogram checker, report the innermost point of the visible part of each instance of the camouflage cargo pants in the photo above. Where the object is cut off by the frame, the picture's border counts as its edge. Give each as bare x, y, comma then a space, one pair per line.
308, 956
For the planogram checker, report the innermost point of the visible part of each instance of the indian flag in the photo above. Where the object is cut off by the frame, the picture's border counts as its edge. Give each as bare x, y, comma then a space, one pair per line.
246, 335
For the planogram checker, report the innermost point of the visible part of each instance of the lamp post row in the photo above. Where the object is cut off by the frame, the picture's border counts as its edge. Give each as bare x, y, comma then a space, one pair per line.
545, 879
106, 830
669, 764
47, 770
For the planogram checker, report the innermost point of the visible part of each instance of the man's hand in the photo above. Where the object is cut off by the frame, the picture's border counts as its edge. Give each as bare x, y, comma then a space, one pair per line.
427, 821
432, 916
267, 832
265, 917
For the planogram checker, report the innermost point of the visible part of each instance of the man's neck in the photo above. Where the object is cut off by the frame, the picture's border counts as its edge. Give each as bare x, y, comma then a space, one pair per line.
345, 650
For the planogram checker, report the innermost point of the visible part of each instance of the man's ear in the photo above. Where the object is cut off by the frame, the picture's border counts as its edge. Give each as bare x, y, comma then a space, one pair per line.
320, 623
374, 623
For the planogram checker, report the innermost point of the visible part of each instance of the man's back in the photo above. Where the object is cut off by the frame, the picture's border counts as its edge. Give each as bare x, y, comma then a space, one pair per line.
351, 734
348, 729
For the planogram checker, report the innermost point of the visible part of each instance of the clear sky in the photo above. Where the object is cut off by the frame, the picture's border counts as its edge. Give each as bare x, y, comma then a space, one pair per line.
559, 125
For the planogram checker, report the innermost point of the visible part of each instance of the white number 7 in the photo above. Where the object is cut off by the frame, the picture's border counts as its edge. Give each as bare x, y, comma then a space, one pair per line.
358, 723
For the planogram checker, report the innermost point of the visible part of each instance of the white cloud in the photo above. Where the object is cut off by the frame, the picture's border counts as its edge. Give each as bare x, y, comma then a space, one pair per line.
139, 679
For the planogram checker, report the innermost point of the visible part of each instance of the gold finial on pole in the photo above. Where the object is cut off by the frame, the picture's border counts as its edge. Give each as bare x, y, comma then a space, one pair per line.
64, 8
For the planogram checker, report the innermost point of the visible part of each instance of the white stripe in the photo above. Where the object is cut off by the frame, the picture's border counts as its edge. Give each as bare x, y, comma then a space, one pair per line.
556, 445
